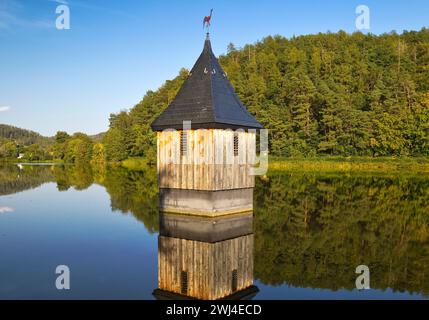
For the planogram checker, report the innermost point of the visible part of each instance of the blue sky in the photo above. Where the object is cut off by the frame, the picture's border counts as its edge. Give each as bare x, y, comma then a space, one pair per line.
115, 51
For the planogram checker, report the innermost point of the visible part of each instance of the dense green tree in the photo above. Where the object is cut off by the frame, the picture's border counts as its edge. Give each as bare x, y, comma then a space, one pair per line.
60, 145
78, 149
35, 152
98, 154
115, 147
8, 149
303, 126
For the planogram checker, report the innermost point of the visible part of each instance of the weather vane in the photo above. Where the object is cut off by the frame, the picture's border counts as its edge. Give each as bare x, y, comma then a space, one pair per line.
206, 21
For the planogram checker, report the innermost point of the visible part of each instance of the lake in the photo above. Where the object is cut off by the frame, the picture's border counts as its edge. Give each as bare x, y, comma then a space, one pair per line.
310, 232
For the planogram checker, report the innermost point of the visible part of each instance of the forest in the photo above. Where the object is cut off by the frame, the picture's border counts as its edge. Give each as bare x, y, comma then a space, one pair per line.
329, 94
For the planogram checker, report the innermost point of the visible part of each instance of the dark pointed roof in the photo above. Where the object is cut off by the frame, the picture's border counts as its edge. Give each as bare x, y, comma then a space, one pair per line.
206, 98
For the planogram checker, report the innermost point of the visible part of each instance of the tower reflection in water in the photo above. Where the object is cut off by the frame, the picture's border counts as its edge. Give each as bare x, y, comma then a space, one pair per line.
205, 257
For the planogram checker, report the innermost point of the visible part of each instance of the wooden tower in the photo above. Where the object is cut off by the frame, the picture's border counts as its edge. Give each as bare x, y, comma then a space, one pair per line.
206, 145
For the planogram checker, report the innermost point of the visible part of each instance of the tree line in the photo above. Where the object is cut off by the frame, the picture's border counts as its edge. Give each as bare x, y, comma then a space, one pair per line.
77, 148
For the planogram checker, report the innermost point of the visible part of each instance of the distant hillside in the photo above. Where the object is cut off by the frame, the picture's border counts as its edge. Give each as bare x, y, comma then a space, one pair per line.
22, 136
26, 137
98, 137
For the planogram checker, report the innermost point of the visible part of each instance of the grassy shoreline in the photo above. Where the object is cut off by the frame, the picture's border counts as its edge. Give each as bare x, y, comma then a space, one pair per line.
21, 161
325, 164
345, 164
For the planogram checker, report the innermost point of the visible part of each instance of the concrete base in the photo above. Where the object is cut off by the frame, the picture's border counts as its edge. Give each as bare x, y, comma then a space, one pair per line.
205, 229
206, 203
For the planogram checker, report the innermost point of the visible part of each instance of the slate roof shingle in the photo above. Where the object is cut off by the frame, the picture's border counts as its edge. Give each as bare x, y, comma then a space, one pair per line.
207, 99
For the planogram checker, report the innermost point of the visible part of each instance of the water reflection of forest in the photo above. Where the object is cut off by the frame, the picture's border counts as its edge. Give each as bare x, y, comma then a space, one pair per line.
311, 229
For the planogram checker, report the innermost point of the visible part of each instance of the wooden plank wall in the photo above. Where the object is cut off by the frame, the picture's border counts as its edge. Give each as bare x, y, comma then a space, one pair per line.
210, 163
209, 265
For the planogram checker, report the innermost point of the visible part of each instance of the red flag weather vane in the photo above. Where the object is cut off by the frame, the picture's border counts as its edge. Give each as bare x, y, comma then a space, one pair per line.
207, 20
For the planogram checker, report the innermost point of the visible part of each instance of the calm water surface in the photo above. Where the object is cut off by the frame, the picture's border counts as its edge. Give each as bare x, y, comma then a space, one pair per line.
311, 232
